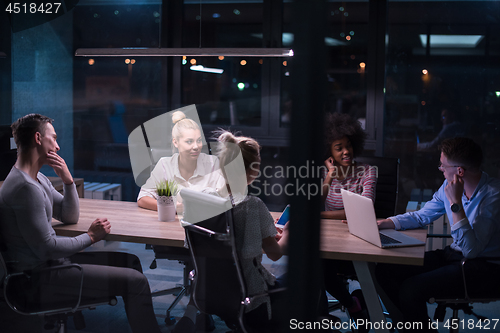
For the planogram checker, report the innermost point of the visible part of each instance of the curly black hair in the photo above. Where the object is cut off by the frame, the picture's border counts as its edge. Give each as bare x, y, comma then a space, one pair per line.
339, 125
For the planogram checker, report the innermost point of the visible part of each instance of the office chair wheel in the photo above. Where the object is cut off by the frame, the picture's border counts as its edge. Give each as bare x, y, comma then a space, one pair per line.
170, 320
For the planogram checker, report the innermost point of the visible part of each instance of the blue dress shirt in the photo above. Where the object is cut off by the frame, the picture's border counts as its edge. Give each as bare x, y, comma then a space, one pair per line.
477, 235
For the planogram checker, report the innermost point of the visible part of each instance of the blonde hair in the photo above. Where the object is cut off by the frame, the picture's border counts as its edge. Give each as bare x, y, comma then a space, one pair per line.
180, 124
250, 149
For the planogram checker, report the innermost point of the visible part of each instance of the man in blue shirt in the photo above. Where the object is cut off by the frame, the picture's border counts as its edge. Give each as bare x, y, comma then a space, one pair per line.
471, 200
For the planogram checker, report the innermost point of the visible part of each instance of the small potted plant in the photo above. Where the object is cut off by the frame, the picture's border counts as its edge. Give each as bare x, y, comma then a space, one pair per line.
166, 190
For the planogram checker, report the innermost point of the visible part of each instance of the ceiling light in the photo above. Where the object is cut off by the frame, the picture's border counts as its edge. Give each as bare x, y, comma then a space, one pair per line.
287, 38
191, 52
443, 41
333, 42
200, 68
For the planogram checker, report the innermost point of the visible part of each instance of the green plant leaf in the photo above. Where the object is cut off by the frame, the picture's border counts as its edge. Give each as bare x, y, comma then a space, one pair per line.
166, 188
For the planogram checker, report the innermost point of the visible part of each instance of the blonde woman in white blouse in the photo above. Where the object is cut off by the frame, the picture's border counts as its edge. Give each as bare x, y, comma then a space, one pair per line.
188, 167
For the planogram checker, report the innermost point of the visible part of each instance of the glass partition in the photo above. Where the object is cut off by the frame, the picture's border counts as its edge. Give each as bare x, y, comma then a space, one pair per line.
442, 81
231, 98
347, 48
233, 94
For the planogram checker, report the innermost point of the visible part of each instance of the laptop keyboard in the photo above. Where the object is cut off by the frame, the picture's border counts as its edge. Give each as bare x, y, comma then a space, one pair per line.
386, 240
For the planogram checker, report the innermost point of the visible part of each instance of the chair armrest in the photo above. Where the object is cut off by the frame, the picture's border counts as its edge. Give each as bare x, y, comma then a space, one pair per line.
207, 232
276, 290
464, 260
32, 272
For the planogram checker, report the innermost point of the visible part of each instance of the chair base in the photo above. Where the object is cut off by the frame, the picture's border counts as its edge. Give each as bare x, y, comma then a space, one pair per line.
181, 292
59, 322
171, 253
440, 313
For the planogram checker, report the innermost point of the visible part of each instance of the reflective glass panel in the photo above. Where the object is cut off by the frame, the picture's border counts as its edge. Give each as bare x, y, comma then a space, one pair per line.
442, 81
233, 97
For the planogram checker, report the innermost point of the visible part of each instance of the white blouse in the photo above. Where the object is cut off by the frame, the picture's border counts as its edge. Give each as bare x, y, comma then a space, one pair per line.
206, 175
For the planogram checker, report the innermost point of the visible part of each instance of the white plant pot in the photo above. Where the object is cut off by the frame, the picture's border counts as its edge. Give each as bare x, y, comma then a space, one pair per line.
166, 209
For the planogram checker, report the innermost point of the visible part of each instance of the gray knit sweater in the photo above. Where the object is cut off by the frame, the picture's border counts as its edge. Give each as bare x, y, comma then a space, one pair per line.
26, 211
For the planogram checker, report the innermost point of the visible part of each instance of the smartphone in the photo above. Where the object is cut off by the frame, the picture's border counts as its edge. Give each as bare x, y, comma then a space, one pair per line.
284, 218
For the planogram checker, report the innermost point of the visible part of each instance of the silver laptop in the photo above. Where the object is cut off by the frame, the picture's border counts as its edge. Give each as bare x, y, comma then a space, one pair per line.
362, 223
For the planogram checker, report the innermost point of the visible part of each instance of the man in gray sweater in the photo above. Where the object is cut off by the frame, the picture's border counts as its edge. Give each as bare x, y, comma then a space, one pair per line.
28, 202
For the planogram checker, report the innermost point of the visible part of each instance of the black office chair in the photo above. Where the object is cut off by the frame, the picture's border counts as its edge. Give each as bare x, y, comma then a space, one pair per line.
184, 257
465, 303
219, 286
21, 293
386, 192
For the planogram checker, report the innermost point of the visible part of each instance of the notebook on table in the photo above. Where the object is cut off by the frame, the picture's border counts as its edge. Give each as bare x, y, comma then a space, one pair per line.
362, 223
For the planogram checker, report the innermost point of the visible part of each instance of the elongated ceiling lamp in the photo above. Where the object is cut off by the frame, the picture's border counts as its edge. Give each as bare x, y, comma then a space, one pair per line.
200, 68
189, 52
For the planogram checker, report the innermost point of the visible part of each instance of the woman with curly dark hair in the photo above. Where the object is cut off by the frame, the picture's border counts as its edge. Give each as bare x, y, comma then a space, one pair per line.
344, 141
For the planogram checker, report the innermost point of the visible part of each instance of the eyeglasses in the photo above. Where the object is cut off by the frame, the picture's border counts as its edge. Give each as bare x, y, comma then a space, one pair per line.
441, 166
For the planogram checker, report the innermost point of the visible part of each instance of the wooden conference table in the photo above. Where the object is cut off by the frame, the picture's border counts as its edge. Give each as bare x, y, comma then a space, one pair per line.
129, 223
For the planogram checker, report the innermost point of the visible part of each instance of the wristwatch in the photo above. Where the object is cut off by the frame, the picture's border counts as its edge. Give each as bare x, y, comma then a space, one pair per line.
455, 208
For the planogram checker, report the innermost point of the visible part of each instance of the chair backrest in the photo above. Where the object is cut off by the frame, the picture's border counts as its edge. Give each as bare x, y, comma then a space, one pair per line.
219, 287
386, 192
8, 289
17, 288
